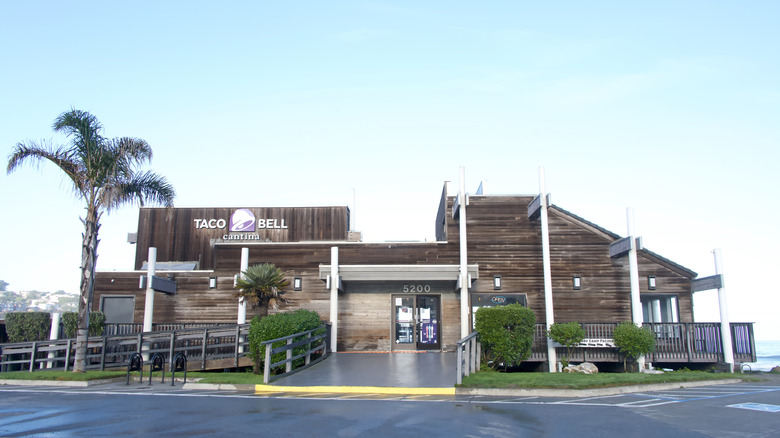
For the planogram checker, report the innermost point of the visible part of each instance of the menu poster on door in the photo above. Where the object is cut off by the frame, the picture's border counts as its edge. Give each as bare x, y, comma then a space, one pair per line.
429, 333
425, 314
404, 314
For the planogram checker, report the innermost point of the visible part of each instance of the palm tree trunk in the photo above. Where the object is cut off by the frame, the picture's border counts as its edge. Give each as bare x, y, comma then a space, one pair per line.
88, 261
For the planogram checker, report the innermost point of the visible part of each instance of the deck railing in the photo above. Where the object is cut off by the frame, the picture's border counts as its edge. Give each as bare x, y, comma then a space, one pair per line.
675, 343
211, 347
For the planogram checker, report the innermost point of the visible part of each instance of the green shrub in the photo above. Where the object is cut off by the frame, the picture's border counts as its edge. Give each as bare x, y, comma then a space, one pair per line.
28, 326
506, 333
633, 341
276, 326
97, 321
568, 334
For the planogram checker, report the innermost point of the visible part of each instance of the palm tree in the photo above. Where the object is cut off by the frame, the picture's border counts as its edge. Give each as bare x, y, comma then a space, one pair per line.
262, 286
104, 176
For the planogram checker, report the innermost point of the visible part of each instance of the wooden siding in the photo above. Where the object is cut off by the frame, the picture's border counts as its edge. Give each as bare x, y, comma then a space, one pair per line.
173, 230
501, 241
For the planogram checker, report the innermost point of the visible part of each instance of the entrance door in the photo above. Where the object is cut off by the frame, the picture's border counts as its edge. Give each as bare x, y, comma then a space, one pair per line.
416, 322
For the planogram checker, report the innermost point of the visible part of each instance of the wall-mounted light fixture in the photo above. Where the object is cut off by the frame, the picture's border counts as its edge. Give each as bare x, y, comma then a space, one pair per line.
651, 284
297, 283
212, 282
496, 282
576, 282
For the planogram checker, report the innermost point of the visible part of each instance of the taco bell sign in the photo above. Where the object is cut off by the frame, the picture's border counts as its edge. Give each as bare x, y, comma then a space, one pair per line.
241, 221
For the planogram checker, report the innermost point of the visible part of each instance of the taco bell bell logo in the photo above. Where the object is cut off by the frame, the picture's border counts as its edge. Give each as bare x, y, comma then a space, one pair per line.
242, 220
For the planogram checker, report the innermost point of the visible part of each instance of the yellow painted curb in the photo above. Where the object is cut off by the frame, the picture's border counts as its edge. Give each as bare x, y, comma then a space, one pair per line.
259, 389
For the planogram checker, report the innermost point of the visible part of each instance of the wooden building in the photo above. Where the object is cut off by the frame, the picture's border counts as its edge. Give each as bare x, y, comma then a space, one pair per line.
394, 296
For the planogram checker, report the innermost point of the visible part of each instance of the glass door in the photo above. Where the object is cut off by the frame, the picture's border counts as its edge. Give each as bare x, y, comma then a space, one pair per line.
403, 323
416, 322
428, 322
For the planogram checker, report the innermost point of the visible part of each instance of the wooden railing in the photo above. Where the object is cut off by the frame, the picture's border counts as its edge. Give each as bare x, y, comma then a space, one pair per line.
675, 343
315, 345
205, 348
135, 328
469, 351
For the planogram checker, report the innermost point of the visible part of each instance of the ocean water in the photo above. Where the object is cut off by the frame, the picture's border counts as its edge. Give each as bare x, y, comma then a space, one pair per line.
767, 355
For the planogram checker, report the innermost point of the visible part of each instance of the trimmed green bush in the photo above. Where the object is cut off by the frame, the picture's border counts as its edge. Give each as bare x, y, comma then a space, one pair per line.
568, 334
506, 333
276, 326
28, 326
97, 321
633, 341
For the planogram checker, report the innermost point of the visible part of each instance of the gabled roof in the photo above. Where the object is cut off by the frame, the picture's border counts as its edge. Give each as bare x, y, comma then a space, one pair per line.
644, 251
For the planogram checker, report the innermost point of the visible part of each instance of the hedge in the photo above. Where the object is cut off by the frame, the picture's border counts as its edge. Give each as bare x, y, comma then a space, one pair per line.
506, 333
276, 326
96, 322
28, 326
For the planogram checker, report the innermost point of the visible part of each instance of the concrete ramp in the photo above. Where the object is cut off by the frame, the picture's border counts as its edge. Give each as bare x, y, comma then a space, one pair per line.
387, 370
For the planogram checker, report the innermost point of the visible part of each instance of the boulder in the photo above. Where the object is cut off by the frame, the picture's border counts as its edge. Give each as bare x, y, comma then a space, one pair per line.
584, 368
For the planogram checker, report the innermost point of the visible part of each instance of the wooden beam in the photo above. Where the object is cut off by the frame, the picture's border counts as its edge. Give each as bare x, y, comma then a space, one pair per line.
164, 285
620, 247
534, 208
707, 283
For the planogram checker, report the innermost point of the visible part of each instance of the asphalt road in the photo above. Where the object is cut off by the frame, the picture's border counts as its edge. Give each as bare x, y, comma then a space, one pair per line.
118, 410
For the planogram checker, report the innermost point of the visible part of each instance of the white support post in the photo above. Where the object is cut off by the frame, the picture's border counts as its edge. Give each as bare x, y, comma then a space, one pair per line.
633, 270
334, 298
465, 323
242, 301
54, 334
151, 266
549, 311
725, 324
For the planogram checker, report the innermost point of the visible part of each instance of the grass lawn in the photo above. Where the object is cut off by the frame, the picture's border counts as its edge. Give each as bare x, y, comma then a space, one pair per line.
201, 377
494, 379
482, 379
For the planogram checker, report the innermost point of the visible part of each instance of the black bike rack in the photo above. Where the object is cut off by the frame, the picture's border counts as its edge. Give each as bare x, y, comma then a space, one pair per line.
179, 363
136, 363
157, 364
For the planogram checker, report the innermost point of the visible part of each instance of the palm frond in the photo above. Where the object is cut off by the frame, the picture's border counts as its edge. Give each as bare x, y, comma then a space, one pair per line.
262, 285
144, 187
35, 154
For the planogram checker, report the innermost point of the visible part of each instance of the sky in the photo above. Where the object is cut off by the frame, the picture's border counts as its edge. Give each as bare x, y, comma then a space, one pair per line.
668, 107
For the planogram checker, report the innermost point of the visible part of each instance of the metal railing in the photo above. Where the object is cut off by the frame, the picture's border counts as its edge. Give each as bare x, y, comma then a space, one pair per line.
469, 350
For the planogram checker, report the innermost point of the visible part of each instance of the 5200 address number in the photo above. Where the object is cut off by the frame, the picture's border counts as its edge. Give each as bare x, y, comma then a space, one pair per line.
416, 288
